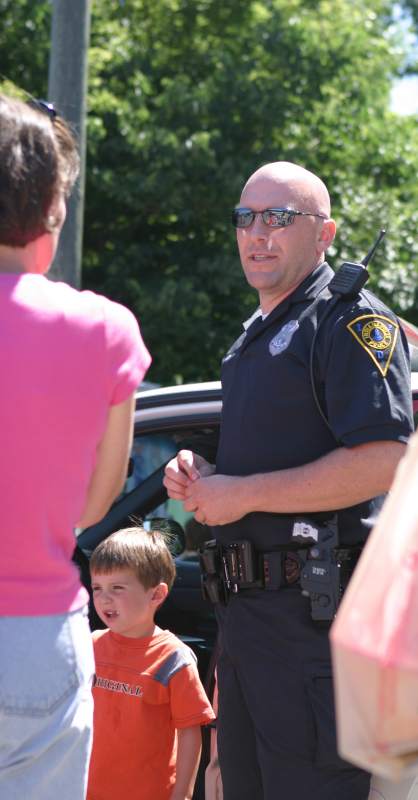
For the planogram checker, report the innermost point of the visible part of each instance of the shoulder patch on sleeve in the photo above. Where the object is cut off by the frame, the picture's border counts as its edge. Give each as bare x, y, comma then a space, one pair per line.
177, 660
377, 335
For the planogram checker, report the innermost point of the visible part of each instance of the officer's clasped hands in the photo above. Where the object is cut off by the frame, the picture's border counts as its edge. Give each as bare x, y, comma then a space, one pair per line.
215, 500
212, 498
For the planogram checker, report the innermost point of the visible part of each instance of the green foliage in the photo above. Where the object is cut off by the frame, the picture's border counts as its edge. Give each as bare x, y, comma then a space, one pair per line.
411, 7
186, 99
24, 45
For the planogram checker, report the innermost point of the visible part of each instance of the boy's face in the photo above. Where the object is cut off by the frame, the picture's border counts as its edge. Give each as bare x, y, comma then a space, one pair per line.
123, 604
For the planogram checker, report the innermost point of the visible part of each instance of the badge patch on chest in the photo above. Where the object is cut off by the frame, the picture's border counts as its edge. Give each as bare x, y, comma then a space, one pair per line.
282, 339
377, 335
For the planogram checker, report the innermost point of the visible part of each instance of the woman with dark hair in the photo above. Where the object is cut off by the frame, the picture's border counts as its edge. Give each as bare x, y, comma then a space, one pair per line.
70, 363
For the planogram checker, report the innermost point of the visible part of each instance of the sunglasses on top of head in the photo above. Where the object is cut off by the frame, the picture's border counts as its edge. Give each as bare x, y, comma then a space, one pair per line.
44, 107
272, 217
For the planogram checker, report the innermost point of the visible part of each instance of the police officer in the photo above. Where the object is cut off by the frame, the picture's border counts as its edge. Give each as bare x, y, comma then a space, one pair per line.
288, 466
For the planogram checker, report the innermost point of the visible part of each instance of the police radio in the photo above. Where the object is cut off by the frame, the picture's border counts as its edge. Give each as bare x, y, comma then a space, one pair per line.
351, 276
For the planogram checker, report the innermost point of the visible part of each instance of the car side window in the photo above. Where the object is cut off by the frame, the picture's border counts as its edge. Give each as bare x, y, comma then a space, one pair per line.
149, 452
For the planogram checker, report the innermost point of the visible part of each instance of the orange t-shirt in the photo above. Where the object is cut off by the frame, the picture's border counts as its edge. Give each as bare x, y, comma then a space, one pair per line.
143, 690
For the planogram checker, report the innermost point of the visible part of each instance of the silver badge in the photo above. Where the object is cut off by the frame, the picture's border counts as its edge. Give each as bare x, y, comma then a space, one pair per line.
282, 339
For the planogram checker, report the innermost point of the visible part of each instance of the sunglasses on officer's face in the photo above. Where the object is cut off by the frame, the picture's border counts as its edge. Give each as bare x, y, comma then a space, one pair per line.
273, 217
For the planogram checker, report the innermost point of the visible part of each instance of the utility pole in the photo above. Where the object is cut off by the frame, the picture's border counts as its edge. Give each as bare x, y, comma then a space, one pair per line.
67, 90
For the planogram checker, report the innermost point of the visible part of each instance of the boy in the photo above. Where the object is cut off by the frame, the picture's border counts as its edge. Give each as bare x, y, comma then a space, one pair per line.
149, 702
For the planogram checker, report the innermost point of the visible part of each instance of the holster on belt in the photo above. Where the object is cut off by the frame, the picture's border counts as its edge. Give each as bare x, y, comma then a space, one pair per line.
228, 569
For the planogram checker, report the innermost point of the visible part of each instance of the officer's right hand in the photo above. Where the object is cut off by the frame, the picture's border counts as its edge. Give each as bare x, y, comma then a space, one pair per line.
186, 467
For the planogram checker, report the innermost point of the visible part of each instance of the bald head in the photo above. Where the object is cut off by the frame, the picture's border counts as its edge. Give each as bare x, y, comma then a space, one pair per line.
277, 258
292, 185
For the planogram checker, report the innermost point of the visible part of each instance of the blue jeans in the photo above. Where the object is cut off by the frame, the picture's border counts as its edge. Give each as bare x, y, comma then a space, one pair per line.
46, 706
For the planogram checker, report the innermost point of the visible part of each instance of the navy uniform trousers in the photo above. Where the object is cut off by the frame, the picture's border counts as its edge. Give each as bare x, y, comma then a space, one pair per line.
276, 723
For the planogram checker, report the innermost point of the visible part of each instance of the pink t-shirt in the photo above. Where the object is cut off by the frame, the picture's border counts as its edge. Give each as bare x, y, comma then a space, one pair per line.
65, 358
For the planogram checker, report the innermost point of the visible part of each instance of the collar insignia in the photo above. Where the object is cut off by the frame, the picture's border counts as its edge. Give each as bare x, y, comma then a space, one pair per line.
377, 335
234, 347
282, 339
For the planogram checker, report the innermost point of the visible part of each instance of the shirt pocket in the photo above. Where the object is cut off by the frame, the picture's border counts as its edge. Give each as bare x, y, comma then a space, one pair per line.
154, 693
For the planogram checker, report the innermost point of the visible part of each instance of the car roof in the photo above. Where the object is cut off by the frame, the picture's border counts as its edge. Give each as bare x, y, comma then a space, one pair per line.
411, 331
177, 394
187, 404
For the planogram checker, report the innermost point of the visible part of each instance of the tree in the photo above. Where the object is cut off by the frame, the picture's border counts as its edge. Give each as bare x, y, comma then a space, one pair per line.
24, 43
198, 93
186, 99
411, 8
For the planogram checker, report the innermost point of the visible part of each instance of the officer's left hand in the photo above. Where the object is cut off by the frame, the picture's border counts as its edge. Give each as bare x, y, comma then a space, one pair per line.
215, 500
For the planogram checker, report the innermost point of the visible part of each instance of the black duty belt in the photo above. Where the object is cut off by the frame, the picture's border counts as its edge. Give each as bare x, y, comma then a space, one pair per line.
236, 567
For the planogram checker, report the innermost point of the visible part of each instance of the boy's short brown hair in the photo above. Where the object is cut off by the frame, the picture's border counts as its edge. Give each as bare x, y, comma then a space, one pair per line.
145, 552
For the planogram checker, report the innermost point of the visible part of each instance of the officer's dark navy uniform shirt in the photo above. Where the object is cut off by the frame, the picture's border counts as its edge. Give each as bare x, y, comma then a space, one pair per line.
270, 420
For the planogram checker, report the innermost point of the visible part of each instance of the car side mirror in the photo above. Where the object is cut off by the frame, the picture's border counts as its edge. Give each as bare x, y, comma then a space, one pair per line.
171, 530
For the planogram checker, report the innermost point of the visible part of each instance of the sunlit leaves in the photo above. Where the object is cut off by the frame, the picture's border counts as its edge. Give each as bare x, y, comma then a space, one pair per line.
186, 99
